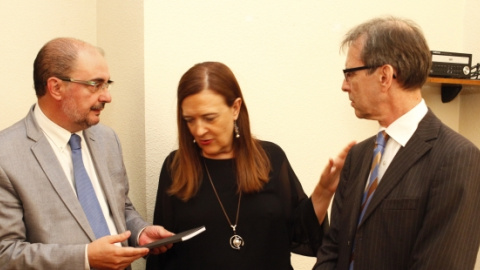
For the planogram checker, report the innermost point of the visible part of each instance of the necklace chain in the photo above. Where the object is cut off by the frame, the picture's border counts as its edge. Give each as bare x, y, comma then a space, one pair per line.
234, 226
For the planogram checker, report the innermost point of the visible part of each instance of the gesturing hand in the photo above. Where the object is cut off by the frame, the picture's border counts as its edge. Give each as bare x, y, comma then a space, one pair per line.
327, 185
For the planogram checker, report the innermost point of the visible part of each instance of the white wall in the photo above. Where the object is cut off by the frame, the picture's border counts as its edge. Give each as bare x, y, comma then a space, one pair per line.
284, 53
25, 27
470, 111
121, 36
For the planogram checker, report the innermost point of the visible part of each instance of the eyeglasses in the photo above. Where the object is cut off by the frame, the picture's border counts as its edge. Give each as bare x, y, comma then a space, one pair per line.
97, 86
349, 71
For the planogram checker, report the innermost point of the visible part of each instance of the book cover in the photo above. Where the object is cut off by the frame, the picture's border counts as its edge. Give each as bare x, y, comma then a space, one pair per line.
179, 237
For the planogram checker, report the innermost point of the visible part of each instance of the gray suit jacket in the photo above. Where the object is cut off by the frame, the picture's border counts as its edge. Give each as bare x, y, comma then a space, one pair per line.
423, 215
42, 224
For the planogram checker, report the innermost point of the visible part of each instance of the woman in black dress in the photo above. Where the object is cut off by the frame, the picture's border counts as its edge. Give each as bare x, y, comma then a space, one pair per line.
241, 189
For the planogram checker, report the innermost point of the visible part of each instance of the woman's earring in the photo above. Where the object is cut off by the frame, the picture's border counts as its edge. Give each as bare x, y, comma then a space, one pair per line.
237, 134
194, 141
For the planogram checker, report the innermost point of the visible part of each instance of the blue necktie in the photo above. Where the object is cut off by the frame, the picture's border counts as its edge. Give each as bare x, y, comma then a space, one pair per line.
85, 192
382, 138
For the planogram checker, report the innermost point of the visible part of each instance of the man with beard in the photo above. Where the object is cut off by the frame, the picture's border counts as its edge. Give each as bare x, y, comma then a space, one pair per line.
63, 186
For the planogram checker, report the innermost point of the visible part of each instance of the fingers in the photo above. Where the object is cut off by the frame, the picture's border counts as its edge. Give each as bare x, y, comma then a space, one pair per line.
331, 173
118, 238
133, 253
162, 232
104, 254
159, 250
154, 233
330, 166
343, 154
119, 258
340, 159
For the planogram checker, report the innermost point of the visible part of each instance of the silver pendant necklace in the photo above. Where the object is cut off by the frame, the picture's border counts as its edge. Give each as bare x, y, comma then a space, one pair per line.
236, 241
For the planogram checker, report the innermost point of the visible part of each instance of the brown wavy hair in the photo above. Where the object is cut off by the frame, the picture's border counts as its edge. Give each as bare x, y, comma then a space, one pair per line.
252, 163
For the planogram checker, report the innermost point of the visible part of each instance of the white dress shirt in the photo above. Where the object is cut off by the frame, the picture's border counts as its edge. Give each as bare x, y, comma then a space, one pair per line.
399, 133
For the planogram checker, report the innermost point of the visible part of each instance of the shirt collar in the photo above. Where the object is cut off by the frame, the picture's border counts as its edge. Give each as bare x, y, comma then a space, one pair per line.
403, 128
58, 135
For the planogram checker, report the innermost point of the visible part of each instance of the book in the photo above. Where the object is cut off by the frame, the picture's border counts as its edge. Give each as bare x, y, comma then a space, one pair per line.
179, 237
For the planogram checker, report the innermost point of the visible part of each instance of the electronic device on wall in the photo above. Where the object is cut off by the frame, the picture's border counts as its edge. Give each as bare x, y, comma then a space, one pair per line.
451, 64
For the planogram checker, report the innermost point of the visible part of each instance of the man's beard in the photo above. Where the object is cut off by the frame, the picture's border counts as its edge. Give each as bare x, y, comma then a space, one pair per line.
71, 110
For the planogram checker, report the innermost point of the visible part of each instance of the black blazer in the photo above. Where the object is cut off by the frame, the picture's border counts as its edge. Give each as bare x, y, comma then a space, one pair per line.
424, 213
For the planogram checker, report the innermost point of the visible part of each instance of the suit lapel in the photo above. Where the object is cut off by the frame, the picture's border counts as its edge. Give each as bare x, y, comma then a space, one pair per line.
358, 186
43, 152
417, 146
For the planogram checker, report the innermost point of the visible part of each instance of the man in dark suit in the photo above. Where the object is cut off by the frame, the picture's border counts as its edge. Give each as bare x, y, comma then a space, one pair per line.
420, 208
43, 225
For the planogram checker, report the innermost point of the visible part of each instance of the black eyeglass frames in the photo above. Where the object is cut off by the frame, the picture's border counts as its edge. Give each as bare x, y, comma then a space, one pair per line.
349, 71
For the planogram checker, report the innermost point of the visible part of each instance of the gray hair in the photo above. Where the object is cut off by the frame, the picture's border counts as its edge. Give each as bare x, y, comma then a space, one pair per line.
397, 42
